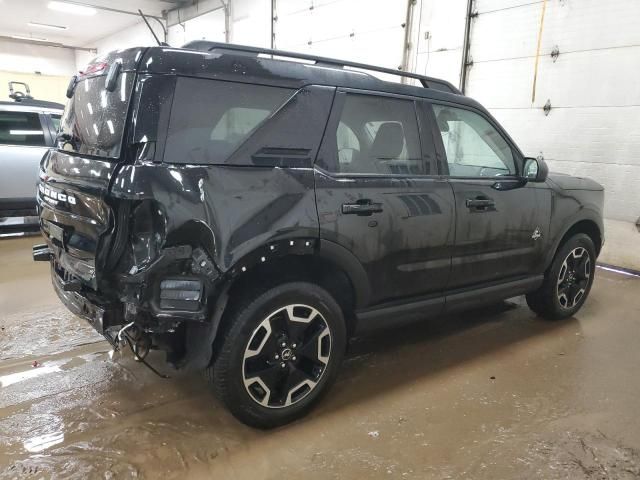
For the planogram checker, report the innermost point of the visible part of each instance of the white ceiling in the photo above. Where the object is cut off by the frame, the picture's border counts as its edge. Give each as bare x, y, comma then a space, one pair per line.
82, 30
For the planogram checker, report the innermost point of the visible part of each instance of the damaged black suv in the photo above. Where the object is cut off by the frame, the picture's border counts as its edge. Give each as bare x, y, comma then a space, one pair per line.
246, 210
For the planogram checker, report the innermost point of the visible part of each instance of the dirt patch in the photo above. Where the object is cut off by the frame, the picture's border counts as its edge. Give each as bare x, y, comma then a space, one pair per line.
592, 456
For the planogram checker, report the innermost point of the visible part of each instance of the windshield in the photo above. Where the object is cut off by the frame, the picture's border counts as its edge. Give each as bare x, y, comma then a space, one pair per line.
93, 120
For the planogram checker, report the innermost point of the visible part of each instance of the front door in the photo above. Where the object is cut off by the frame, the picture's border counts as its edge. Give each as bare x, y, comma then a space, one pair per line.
379, 195
500, 219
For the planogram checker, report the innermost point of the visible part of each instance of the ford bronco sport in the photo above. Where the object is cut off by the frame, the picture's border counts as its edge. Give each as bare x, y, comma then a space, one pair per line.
246, 210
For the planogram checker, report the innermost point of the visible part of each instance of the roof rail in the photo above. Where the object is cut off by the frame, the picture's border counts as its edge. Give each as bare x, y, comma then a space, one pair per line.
427, 82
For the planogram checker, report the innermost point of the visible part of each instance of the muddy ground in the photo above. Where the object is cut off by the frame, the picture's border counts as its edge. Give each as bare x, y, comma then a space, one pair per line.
493, 394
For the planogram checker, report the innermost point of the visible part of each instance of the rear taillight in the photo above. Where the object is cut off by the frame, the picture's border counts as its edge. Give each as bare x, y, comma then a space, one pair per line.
95, 68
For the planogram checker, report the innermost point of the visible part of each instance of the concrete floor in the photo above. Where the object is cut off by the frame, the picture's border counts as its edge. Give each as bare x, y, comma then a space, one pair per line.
492, 394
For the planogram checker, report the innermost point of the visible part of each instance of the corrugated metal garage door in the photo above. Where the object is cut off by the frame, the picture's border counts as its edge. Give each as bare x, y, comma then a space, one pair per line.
368, 31
593, 127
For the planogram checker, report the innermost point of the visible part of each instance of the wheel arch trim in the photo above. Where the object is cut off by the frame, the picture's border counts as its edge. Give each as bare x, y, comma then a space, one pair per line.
586, 218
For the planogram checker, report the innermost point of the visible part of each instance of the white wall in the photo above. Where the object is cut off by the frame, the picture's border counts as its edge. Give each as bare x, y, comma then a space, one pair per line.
28, 58
439, 38
334, 28
209, 26
368, 31
251, 22
135, 35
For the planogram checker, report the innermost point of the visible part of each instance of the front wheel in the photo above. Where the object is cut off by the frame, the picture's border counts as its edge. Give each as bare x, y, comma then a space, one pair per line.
568, 281
280, 353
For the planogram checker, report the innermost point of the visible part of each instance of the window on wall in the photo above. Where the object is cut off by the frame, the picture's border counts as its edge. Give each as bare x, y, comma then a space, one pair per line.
473, 146
21, 128
211, 118
378, 135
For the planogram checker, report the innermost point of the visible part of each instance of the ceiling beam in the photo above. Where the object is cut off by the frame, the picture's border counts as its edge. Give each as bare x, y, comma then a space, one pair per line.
110, 9
187, 12
47, 44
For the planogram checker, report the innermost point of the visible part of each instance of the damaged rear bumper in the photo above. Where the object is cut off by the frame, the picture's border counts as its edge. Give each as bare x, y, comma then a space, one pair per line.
101, 317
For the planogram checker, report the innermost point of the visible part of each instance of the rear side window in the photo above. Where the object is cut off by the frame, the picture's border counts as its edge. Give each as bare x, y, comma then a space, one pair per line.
378, 135
21, 128
211, 118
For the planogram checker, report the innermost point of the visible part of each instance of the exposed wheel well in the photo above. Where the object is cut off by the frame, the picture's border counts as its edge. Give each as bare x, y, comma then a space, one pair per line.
587, 227
291, 268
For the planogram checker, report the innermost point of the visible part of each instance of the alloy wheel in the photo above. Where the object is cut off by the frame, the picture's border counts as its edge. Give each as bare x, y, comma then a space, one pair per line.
286, 356
573, 278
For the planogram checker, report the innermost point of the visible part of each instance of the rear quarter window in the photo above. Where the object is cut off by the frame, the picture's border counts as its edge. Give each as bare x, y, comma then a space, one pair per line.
210, 119
21, 128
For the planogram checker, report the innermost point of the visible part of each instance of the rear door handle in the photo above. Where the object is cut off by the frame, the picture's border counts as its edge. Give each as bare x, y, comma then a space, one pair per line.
361, 207
480, 204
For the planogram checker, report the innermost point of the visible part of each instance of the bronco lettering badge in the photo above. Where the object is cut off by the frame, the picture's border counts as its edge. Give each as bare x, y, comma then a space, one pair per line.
50, 194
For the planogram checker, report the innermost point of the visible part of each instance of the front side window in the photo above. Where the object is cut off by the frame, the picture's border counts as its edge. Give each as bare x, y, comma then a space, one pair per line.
473, 146
378, 135
21, 128
211, 118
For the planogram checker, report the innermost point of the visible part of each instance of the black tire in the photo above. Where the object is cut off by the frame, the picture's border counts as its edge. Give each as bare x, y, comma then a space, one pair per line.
247, 333
561, 298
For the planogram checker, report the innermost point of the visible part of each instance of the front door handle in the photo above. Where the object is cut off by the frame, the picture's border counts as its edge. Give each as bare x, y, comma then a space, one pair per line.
480, 204
363, 207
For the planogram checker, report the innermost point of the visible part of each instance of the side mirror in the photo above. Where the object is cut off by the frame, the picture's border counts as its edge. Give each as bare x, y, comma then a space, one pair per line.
535, 169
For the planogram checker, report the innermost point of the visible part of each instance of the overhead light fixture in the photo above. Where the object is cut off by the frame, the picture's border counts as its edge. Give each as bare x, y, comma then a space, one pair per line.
46, 25
34, 39
72, 8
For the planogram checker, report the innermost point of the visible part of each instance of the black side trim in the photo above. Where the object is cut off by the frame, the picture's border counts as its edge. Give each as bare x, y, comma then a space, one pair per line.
394, 313
462, 300
400, 313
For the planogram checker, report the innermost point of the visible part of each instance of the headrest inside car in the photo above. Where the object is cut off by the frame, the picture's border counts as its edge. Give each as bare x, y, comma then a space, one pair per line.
389, 141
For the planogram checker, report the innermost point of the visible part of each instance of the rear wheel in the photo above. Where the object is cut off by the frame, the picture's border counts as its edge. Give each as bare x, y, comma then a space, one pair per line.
568, 281
280, 354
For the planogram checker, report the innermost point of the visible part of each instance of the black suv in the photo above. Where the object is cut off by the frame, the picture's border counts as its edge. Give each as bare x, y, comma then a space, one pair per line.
246, 210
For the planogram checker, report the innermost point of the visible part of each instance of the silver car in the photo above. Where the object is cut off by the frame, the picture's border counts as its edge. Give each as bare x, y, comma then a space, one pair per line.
27, 130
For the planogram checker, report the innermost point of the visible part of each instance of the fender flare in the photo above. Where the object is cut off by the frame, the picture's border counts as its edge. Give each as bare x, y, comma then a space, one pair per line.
580, 216
326, 250
347, 261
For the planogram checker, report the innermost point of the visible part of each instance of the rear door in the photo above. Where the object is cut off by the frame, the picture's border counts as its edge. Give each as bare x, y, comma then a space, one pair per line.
500, 220
380, 195
24, 140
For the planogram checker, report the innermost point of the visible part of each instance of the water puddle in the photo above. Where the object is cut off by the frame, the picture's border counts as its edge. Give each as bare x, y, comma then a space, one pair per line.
40, 443
17, 377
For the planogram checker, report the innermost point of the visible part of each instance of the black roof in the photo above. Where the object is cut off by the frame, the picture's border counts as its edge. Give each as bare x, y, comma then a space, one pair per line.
29, 102
274, 67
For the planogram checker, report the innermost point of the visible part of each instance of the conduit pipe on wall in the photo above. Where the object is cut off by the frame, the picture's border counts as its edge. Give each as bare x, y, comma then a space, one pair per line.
465, 46
535, 68
408, 25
